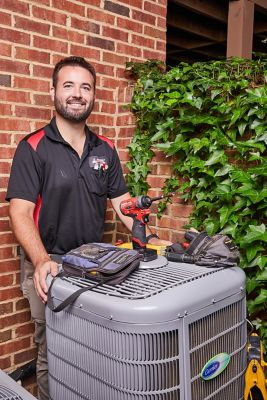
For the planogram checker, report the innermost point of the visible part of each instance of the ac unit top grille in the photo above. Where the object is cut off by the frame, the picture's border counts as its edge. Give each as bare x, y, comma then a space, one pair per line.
149, 282
8, 394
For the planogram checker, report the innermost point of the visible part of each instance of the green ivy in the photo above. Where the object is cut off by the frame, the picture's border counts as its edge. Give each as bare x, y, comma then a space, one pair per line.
211, 119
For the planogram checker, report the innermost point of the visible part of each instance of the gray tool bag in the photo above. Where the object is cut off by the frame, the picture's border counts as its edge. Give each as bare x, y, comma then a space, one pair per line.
209, 251
99, 262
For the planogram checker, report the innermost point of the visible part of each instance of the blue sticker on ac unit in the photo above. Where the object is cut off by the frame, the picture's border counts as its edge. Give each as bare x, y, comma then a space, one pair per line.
215, 366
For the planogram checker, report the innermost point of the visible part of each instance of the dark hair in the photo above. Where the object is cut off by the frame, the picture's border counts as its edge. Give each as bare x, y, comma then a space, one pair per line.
73, 61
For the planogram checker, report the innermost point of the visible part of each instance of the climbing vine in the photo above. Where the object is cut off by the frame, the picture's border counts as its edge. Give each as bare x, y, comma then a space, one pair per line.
211, 119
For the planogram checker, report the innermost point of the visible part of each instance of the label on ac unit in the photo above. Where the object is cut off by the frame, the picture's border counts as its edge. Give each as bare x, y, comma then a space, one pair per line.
215, 366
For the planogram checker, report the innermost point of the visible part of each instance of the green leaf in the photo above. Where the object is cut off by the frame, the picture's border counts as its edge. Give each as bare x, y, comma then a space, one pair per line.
217, 157
261, 298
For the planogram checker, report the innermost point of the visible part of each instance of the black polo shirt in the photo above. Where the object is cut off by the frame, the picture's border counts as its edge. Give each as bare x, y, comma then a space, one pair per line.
70, 193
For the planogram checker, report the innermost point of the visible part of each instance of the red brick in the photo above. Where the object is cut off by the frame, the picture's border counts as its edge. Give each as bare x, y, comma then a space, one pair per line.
123, 155
13, 124
113, 58
4, 225
16, 6
143, 17
162, 22
155, 8
117, 34
4, 166
5, 109
123, 143
31, 54
50, 44
68, 35
25, 329
161, 46
156, 182
7, 238
31, 112
5, 363
3, 184
9, 294
5, 50
21, 304
126, 132
5, 336
16, 318
6, 280
5, 18
143, 41
42, 100
9, 266
108, 132
133, 3
11, 66
100, 16
101, 119
154, 33
87, 52
6, 152
116, 8
70, 7
125, 120
42, 71
5, 80
14, 96
179, 210
32, 84
14, 36
103, 69
25, 356
130, 25
14, 346
128, 49
49, 15
104, 94
30, 25
148, 54
6, 308
109, 108
85, 25
100, 42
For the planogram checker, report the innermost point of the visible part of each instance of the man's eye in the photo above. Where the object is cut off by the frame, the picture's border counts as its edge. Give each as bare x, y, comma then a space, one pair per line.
87, 88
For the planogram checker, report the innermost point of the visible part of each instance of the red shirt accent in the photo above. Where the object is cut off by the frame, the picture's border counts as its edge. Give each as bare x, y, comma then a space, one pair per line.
109, 142
35, 139
37, 210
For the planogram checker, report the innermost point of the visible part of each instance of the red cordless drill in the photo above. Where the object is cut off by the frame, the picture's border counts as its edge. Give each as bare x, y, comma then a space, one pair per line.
138, 209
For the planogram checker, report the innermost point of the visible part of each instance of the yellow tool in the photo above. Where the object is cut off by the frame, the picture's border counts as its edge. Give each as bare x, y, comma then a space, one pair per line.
255, 381
128, 245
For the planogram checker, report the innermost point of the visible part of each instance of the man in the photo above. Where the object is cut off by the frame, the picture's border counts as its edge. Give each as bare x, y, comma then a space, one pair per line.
60, 180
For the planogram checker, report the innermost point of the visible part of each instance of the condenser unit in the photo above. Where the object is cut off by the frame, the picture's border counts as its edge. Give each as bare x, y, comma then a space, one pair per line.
11, 390
159, 335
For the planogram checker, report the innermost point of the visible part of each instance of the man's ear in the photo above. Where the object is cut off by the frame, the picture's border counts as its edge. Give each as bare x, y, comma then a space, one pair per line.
52, 93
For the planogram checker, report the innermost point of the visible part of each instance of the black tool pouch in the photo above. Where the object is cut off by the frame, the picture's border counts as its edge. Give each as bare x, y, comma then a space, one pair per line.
97, 262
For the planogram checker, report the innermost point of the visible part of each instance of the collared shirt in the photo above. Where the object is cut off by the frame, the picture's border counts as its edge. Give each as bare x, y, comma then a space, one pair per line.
70, 193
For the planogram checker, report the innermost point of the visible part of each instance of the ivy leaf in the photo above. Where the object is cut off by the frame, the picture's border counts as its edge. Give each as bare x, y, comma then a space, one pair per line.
251, 284
254, 233
262, 276
251, 251
217, 157
225, 213
261, 298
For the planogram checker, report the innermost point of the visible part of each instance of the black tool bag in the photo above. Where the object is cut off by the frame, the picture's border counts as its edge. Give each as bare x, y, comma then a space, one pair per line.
99, 262
209, 251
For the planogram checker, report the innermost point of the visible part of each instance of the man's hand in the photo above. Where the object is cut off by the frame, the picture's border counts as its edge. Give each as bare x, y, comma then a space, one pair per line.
159, 242
40, 275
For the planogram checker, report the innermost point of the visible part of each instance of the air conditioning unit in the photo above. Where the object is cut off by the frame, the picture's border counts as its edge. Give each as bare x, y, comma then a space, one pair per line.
11, 390
171, 331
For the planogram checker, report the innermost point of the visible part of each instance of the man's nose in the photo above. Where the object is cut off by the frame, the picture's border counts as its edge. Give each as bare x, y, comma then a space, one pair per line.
77, 91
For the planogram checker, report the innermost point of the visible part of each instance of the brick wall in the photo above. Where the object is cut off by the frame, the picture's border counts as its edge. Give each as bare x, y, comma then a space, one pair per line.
34, 35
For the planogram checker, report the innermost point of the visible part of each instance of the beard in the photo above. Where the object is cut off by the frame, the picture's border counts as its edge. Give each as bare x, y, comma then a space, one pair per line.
72, 114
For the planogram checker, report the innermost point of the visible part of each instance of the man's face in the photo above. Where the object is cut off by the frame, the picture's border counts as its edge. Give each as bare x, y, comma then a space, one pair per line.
74, 93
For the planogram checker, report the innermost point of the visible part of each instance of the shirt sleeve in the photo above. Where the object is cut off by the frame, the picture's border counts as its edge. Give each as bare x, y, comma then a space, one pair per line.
116, 182
25, 177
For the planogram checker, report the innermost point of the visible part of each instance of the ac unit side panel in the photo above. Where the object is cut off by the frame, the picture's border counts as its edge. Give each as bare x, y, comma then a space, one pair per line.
222, 329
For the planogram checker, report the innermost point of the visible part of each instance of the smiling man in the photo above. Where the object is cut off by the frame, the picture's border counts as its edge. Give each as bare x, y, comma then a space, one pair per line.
61, 178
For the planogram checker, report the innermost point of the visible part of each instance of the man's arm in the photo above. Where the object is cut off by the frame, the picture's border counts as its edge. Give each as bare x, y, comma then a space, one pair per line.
23, 226
128, 221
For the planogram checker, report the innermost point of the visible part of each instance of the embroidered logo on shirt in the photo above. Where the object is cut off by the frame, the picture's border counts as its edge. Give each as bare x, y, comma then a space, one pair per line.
98, 163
